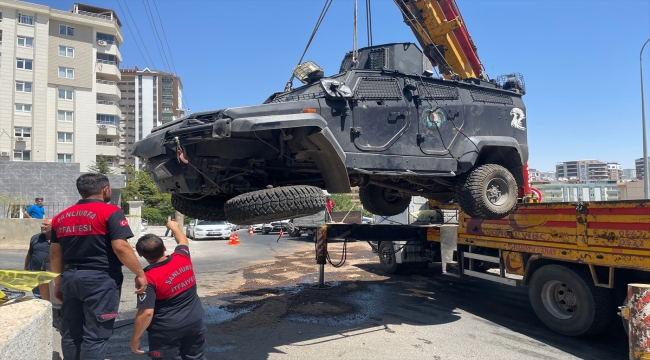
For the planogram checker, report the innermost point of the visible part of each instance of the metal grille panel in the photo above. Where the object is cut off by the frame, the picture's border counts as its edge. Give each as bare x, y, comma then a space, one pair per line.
372, 88
293, 97
377, 59
491, 97
437, 92
346, 64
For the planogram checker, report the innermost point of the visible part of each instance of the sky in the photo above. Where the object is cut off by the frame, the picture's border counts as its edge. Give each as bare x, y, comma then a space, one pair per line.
579, 58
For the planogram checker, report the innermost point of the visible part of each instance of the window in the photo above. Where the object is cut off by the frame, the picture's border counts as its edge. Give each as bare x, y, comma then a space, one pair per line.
110, 39
22, 131
104, 119
26, 19
66, 51
26, 41
24, 108
167, 117
65, 72
167, 80
66, 30
64, 157
26, 64
24, 86
65, 94
22, 155
65, 115
64, 137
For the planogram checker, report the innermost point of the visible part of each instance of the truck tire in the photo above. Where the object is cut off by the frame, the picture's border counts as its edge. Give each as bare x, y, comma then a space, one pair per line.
292, 230
487, 192
387, 258
567, 301
264, 206
207, 208
382, 201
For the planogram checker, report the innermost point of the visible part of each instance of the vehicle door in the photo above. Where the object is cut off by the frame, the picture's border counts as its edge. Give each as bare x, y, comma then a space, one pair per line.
380, 114
439, 116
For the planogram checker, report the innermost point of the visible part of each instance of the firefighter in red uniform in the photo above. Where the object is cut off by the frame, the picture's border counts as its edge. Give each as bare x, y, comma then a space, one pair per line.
88, 247
170, 309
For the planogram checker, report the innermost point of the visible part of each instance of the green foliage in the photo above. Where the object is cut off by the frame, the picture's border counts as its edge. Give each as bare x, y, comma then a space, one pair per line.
10, 205
100, 166
157, 206
344, 203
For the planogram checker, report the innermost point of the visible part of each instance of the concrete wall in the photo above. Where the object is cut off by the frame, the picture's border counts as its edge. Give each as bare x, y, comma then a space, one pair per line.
54, 182
15, 233
26, 330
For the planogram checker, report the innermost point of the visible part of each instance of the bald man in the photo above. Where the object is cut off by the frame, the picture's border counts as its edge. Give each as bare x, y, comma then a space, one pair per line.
38, 254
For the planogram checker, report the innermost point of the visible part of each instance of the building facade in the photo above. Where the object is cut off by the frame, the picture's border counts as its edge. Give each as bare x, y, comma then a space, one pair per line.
58, 83
588, 170
638, 165
149, 98
629, 174
578, 191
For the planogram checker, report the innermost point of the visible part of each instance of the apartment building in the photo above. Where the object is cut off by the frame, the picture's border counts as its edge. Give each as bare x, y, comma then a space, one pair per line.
629, 174
149, 98
639, 166
588, 170
578, 191
58, 83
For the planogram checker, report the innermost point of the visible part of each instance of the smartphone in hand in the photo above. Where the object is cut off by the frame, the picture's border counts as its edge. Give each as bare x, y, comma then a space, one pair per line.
173, 216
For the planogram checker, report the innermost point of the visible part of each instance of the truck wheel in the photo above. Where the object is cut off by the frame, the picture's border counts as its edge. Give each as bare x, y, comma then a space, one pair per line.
387, 258
487, 192
568, 302
264, 206
382, 201
207, 208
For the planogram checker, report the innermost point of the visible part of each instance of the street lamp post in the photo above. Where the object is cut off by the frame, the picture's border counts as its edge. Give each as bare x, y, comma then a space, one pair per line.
646, 181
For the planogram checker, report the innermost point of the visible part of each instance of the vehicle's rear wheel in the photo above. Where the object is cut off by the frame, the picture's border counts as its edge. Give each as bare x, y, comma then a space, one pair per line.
487, 192
382, 201
387, 258
568, 302
264, 206
292, 230
207, 208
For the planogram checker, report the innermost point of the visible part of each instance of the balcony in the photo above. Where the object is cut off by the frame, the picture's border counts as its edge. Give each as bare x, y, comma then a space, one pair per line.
107, 148
108, 70
108, 47
109, 107
108, 89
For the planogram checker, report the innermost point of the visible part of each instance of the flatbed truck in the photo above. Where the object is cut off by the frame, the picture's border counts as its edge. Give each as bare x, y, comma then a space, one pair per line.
576, 259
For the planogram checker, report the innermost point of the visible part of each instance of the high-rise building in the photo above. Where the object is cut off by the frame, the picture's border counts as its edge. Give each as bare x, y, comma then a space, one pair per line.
58, 83
629, 174
588, 170
149, 98
638, 164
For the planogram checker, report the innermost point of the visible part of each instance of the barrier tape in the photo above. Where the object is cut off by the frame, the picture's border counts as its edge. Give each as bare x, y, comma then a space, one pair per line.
25, 280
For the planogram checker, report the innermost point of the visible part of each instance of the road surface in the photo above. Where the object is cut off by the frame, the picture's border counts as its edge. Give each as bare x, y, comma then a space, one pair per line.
259, 305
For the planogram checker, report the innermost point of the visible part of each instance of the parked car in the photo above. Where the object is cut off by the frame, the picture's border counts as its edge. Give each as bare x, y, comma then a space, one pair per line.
204, 229
276, 226
258, 227
367, 220
234, 227
144, 226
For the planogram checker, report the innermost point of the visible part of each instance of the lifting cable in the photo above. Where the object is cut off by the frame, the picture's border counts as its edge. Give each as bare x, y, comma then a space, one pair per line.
355, 37
323, 12
369, 22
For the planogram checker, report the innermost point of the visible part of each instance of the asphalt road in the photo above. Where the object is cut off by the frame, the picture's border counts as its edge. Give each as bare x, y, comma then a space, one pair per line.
259, 305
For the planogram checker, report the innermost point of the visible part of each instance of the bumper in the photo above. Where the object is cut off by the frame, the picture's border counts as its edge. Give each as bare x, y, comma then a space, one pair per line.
211, 234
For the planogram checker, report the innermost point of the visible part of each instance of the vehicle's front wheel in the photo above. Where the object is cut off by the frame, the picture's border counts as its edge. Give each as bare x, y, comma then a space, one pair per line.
264, 206
207, 208
387, 258
487, 192
568, 302
382, 201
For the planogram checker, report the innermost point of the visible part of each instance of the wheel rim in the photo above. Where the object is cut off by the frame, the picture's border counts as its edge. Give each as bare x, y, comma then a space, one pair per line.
559, 300
496, 191
391, 196
385, 256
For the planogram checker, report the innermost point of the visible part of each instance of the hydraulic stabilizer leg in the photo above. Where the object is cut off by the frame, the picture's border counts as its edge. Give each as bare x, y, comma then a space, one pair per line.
321, 257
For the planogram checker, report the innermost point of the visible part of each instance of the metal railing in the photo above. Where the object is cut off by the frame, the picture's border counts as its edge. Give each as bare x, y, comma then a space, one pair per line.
107, 41
107, 143
100, 16
15, 211
109, 62
106, 102
105, 82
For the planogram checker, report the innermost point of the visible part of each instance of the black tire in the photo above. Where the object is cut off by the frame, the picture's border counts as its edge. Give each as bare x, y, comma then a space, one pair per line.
387, 258
567, 301
208, 208
382, 201
264, 206
264, 232
487, 192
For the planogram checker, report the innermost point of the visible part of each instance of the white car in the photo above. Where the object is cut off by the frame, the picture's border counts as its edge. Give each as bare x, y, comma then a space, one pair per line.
203, 229
258, 227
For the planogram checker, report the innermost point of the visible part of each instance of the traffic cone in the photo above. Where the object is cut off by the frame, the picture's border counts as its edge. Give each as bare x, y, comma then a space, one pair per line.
250, 231
281, 232
234, 239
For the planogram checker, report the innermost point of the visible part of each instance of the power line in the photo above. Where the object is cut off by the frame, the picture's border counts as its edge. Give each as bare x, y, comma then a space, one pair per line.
163, 55
132, 35
139, 35
165, 35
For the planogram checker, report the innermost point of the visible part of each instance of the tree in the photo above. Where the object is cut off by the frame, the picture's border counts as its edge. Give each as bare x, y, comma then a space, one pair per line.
344, 203
100, 166
157, 206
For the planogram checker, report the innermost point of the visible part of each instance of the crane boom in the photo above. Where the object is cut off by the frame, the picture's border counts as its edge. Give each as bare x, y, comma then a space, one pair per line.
439, 28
